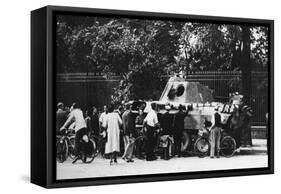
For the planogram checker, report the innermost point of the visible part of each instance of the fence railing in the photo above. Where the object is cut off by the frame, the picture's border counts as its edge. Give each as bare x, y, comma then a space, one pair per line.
91, 85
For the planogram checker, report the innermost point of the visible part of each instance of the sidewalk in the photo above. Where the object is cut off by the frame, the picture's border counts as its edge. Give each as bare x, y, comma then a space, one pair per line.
259, 147
259, 132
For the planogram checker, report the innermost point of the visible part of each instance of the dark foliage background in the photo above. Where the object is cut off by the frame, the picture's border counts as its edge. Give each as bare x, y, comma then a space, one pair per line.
144, 52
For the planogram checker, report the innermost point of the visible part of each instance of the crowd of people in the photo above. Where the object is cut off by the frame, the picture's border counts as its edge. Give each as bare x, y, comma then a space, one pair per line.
117, 124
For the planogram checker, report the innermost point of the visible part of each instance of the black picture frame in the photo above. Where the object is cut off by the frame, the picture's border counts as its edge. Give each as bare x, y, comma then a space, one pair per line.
43, 167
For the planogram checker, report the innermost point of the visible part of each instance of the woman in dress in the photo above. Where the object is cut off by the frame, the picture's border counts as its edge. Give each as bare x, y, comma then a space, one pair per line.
112, 125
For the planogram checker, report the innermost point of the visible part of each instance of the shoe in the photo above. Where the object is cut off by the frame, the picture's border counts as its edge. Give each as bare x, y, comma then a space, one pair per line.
218, 156
111, 162
130, 160
151, 158
212, 157
148, 159
115, 160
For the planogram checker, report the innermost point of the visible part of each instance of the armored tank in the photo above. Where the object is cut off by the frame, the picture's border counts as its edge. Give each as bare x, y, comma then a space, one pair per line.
193, 96
200, 105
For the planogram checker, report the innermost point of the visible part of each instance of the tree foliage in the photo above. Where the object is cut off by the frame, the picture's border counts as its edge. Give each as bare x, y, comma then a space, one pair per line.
143, 51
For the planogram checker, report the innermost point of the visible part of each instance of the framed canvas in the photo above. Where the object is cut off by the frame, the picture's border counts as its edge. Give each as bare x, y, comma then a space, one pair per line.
126, 96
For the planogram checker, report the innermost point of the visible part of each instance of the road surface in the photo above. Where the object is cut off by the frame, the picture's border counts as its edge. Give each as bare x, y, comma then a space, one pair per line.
100, 167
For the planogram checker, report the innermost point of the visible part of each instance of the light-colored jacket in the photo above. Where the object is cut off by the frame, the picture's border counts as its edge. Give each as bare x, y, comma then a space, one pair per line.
77, 117
151, 118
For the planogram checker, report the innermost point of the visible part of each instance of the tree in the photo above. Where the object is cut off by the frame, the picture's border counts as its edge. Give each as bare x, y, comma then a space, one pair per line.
142, 52
246, 65
155, 48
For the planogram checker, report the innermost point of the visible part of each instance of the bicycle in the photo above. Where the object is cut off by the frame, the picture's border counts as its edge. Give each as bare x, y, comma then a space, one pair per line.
227, 145
99, 143
65, 145
86, 150
197, 142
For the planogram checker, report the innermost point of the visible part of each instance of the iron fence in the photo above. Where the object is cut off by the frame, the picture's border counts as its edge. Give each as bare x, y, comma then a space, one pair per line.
95, 89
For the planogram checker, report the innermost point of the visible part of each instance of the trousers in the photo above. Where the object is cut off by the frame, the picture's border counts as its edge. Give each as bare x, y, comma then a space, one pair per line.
150, 143
215, 138
129, 147
78, 137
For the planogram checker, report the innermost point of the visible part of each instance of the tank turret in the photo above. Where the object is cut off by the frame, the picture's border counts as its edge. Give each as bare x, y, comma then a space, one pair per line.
179, 90
194, 96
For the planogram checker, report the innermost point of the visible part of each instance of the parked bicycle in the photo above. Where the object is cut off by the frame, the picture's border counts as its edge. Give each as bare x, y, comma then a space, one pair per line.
65, 145
99, 144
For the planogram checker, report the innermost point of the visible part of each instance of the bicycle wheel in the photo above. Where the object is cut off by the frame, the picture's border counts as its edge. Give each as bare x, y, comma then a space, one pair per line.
91, 152
228, 146
201, 146
94, 147
71, 147
62, 150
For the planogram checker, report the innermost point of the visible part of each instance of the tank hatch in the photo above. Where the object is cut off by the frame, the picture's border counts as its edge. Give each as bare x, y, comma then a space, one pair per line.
179, 90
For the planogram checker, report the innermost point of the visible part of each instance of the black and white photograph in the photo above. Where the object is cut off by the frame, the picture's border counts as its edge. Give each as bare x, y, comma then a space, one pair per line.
147, 96
140, 96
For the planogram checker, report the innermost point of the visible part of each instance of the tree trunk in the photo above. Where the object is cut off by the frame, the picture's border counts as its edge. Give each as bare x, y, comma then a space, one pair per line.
246, 66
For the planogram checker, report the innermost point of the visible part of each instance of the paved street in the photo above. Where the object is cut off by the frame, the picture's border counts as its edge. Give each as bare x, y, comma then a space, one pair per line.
100, 167
248, 158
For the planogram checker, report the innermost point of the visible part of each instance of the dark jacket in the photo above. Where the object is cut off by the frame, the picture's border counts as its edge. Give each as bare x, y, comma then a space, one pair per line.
128, 122
217, 120
140, 119
166, 122
88, 123
61, 117
179, 122
95, 124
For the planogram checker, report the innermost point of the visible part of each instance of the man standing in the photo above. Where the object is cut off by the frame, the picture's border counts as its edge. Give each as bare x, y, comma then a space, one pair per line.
151, 123
88, 121
215, 134
139, 132
166, 121
102, 122
61, 116
128, 128
178, 126
247, 114
95, 122
102, 118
